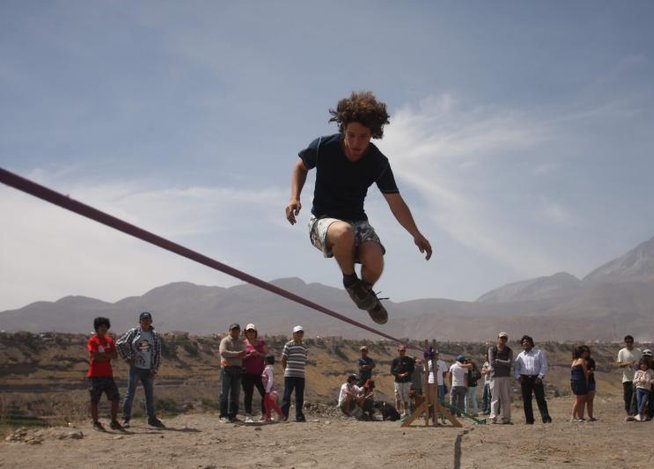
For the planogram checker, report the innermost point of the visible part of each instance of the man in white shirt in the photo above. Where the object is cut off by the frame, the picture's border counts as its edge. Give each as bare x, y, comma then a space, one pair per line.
441, 373
530, 368
628, 358
459, 383
348, 396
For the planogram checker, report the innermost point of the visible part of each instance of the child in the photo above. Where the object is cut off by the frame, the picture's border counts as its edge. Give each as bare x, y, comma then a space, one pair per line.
102, 350
270, 399
643, 379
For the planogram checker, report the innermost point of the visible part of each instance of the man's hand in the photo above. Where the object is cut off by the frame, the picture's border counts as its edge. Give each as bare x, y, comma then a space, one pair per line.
292, 210
423, 245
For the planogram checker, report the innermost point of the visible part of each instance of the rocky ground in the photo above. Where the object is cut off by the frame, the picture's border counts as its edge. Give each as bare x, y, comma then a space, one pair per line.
328, 440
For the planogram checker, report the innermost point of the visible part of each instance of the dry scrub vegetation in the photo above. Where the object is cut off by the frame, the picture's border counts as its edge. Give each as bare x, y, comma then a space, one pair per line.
43, 379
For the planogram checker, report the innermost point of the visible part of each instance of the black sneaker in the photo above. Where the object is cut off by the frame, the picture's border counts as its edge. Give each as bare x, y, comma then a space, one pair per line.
126, 423
97, 426
155, 422
378, 313
301, 418
114, 425
362, 295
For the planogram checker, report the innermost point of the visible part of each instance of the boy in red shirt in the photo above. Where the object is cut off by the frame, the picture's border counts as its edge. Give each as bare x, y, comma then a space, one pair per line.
102, 350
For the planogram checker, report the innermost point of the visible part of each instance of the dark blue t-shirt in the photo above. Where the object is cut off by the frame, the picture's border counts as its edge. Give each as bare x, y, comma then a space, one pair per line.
342, 185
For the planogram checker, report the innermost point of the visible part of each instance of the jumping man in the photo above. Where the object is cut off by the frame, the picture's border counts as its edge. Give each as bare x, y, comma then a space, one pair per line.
347, 164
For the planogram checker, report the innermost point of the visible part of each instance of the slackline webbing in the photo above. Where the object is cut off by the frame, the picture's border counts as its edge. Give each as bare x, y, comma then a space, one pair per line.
66, 202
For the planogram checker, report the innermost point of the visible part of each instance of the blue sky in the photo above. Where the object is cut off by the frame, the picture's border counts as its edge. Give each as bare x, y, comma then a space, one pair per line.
521, 137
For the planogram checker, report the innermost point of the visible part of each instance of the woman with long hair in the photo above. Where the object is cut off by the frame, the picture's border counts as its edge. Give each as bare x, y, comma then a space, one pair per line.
253, 365
579, 382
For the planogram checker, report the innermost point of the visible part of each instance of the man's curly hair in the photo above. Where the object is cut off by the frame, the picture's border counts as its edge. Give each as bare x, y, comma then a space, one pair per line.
361, 107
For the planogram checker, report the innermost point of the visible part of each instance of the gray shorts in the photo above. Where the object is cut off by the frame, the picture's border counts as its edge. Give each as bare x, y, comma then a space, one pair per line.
363, 232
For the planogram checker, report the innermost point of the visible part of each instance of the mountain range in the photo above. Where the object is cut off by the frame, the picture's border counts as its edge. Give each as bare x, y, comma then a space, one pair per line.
615, 299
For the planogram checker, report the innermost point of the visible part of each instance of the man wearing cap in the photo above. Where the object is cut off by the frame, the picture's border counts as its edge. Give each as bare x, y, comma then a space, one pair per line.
628, 358
402, 368
500, 358
348, 396
294, 360
140, 347
530, 369
459, 383
232, 351
366, 365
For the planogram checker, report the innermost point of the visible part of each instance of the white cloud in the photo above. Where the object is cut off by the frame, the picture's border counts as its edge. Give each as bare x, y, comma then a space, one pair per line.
56, 252
432, 148
555, 212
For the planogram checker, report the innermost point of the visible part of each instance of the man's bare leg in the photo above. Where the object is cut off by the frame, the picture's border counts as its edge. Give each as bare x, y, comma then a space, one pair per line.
340, 238
341, 241
372, 262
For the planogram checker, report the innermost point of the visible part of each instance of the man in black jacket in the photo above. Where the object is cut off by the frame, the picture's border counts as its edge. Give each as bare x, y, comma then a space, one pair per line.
402, 368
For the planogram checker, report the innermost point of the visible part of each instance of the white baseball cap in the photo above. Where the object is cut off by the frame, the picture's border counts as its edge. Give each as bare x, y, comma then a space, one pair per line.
298, 329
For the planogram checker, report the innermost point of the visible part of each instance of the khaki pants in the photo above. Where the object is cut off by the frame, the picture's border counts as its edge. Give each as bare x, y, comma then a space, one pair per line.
500, 389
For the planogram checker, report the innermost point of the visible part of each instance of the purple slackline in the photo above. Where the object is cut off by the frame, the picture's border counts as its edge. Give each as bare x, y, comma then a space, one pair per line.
66, 202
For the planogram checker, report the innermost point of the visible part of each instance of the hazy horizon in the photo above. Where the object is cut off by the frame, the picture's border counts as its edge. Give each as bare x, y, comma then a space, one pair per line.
520, 136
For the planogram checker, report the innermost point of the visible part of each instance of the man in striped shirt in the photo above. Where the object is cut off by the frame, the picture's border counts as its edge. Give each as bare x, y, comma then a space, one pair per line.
294, 360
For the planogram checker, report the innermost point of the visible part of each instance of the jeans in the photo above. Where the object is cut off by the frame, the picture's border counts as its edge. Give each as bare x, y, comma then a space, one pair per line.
147, 380
628, 394
458, 398
486, 399
291, 383
249, 382
471, 401
643, 397
230, 378
529, 386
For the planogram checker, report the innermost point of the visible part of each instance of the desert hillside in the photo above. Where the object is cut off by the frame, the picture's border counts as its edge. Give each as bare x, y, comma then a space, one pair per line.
44, 416
43, 374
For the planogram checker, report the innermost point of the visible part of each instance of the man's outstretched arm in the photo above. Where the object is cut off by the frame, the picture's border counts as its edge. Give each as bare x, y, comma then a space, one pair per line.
298, 178
401, 211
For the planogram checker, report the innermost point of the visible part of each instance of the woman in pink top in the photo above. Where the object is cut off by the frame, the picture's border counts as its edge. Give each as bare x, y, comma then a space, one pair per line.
253, 365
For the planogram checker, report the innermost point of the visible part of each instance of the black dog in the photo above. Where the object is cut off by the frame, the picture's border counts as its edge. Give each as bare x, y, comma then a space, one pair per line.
388, 411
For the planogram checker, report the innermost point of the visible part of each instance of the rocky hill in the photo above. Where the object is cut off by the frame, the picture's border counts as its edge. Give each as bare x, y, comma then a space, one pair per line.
613, 300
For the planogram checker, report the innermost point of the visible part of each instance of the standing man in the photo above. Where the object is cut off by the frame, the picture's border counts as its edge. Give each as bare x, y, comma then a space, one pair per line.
441, 373
628, 358
232, 351
294, 361
402, 368
347, 164
366, 365
140, 347
530, 368
500, 358
458, 384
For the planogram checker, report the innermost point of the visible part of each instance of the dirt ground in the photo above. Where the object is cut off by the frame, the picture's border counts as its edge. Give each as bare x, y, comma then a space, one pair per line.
200, 441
